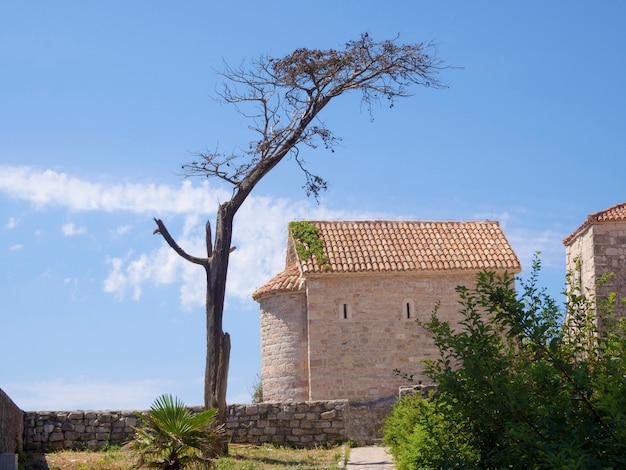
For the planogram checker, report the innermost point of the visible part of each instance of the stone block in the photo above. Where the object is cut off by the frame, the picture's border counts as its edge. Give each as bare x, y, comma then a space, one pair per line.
71, 435
56, 445
55, 437
76, 416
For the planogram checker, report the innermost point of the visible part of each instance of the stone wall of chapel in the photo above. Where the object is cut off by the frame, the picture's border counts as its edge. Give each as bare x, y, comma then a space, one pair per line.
610, 256
284, 368
579, 260
354, 358
601, 249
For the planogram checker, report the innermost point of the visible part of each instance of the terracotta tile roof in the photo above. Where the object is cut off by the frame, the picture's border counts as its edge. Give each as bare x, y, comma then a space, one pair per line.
612, 214
369, 246
290, 280
401, 246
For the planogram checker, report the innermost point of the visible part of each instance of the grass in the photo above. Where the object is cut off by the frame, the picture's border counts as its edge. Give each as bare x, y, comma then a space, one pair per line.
245, 457
270, 457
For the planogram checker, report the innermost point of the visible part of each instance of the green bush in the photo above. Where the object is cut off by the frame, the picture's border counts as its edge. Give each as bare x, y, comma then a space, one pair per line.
421, 436
518, 387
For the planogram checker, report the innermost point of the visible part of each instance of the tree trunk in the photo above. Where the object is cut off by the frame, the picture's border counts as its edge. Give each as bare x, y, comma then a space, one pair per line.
218, 342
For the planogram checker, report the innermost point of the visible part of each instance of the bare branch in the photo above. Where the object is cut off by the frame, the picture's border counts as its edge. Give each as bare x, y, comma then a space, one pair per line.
282, 97
172, 243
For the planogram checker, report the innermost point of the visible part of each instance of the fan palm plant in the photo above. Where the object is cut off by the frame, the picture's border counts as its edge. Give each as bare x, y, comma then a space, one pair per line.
171, 437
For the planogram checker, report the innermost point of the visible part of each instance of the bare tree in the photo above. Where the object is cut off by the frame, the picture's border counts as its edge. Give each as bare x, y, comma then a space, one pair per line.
282, 99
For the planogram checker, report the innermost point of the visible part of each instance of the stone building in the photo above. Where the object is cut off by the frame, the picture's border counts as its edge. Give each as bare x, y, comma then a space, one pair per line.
598, 247
336, 325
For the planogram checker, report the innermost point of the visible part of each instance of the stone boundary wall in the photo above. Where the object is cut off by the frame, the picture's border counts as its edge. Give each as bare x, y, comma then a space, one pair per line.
366, 420
55, 430
11, 425
298, 424
303, 424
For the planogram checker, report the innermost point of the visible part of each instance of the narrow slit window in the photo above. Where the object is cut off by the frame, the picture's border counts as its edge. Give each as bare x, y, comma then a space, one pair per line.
407, 310
343, 310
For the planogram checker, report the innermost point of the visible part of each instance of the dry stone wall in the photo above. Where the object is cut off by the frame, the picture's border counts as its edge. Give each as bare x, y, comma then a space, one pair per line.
299, 424
366, 420
54, 430
303, 424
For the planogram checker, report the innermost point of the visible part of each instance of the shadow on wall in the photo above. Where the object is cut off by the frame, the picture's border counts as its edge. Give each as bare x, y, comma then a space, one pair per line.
11, 425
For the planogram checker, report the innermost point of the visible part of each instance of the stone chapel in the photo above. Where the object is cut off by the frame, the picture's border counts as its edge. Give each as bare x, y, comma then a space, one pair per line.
337, 327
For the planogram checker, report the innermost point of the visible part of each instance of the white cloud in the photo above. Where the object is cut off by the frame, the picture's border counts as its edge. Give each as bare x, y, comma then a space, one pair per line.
84, 394
70, 229
12, 223
16, 247
50, 188
119, 231
260, 235
527, 242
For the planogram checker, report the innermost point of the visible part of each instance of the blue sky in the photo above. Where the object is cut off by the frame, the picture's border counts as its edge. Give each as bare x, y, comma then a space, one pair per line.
101, 102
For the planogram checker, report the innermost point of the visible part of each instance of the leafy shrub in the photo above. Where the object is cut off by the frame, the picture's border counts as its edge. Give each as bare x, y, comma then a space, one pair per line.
518, 387
421, 435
